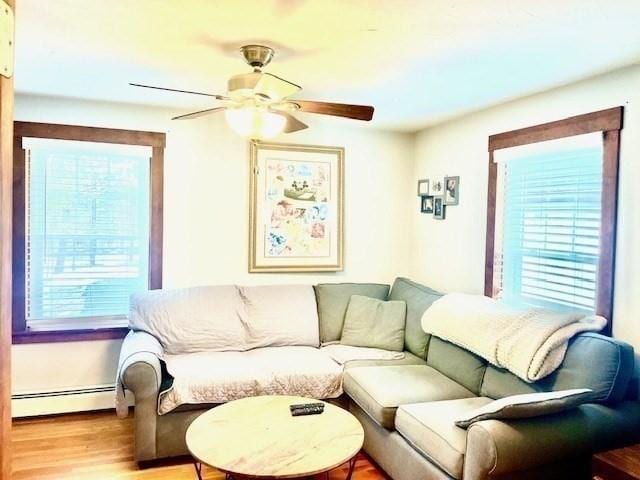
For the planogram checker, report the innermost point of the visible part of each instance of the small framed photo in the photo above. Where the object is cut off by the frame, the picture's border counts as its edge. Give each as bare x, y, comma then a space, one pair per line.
438, 207
423, 187
437, 186
426, 205
451, 190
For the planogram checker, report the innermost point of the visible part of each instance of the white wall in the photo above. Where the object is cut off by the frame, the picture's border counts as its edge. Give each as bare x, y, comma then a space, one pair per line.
206, 205
449, 254
206, 216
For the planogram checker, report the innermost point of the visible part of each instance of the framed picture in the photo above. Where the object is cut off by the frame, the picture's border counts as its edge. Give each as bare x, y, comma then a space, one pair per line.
438, 207
426, 205
296, 208
423, 187
451, 190
437, 187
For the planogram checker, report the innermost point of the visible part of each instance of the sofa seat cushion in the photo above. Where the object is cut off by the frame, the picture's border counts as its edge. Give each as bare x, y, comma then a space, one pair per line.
379, 391
430, 428
408, 359
218, 377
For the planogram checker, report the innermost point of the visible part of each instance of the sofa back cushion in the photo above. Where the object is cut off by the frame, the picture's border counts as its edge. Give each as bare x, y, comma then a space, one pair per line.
333, 299
227, 317
280, 315
190, 319
603, 364
418, 298
457, 363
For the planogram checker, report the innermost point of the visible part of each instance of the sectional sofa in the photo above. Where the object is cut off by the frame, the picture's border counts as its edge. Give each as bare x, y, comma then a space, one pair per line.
407, 406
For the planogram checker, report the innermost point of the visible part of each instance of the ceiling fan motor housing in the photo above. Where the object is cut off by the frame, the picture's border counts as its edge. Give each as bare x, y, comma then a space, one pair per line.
258, 56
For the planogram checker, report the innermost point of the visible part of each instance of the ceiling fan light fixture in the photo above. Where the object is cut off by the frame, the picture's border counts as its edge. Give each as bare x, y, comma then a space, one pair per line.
254, 122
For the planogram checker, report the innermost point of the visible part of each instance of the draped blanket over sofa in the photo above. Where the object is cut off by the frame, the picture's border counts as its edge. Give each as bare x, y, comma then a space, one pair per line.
530, 343
192, 349
222, 343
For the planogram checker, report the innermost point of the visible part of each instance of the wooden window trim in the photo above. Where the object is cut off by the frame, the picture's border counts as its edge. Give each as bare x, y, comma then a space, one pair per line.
609, 122
155, 140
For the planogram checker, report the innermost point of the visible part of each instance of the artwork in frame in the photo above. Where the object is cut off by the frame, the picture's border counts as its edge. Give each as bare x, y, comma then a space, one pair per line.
451, 190
426, 205
296, 208
438, 207
423, 187
437, 186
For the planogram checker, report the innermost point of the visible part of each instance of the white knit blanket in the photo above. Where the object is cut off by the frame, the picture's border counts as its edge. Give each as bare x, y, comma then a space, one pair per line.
529, 343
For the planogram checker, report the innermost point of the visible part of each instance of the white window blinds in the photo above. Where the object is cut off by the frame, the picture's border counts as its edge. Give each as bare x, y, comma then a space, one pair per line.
87, 229
548, 214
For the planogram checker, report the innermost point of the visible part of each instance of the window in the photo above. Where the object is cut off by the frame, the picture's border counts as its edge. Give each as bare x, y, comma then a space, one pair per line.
551, 215
87, 213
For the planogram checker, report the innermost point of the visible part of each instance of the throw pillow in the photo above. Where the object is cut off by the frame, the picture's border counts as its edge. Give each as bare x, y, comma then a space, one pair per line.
527, 405
333, 299
373, 323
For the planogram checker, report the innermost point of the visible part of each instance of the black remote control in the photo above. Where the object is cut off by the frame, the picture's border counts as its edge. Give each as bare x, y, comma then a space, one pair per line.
306, 409
296, 406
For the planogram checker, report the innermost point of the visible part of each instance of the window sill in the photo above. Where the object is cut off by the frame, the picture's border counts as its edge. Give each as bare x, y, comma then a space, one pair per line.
54, 336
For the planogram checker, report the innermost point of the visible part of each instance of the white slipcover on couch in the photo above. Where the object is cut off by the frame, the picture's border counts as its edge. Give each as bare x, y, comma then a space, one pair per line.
221, 343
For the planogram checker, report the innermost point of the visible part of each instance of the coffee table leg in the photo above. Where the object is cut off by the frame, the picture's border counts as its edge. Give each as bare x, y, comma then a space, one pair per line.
352, 464
198, 466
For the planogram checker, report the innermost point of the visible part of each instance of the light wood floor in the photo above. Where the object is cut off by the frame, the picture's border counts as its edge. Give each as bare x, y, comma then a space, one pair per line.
95, 446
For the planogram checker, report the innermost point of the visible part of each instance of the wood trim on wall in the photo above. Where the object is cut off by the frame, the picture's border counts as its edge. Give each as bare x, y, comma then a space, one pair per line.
601, 121
609, 122
6, 179
491, 227
89, 134
19, 206
155, 140
53, 336
156, 220
609, 214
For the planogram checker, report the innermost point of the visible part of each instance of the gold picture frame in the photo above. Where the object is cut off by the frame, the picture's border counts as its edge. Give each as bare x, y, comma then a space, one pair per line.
300, 190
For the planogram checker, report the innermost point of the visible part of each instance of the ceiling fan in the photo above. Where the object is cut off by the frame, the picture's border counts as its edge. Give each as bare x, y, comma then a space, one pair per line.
257, 104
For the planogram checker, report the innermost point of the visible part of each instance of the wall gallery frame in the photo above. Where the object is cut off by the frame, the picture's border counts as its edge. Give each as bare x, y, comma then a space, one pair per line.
438, 193
451, 190
423, 187
438, 207
426, 205
296, 208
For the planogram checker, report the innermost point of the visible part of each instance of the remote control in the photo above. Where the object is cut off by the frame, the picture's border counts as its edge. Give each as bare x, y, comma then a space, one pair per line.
308, 409
296, 406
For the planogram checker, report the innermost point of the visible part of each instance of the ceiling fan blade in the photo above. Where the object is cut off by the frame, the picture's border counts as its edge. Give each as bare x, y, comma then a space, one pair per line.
357, 112
275, 88
197, 114
218, 97
293, 124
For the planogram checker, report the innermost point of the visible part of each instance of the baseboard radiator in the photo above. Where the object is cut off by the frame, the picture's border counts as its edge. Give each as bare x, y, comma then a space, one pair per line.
81, 399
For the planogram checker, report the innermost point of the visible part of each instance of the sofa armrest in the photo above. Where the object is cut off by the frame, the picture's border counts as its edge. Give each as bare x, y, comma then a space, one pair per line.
140, 371
140, 349
497, 447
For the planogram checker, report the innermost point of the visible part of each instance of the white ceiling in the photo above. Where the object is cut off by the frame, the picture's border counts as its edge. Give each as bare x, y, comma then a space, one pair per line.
417, 62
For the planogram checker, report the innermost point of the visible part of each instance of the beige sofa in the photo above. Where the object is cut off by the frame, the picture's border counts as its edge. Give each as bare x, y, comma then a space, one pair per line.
407, 406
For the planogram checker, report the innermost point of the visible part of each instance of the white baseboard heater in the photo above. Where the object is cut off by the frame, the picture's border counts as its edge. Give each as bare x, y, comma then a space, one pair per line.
29, 404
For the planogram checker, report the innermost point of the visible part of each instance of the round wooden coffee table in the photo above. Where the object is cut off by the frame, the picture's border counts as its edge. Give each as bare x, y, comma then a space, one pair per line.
257, 437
